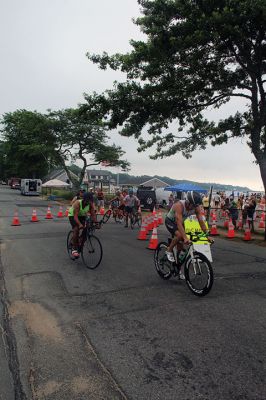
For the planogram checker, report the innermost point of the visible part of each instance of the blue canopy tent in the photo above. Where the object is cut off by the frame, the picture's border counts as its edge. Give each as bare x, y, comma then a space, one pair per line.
185, 187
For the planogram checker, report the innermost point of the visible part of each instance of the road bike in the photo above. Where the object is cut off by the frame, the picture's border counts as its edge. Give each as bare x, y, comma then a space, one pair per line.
118, 215
90, 247
135, 218
198, 271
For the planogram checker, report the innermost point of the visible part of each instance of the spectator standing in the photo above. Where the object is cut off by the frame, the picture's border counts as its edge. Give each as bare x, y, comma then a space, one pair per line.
251, 212
205, 203
217, 200
100, 199
233, 212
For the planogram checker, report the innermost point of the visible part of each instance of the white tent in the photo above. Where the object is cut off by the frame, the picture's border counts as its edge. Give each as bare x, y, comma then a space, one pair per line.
155, 183
55, 183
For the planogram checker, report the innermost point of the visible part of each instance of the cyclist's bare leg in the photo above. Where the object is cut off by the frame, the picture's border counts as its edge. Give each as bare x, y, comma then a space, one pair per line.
176, 242
75, 240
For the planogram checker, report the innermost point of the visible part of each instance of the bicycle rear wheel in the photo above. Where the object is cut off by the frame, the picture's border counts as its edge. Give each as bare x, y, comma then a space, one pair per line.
199, 274
106, 216
92, 252
162, 264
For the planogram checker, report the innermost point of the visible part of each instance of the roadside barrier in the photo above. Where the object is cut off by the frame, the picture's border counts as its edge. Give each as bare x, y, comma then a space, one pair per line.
154, 240
34, 217
49, 213
16, 221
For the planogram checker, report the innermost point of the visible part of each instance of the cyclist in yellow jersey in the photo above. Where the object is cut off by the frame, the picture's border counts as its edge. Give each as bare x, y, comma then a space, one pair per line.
174, 221
77, 216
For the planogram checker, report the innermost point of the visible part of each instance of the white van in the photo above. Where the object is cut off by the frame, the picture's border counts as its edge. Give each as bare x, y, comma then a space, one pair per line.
31, 187
162, 196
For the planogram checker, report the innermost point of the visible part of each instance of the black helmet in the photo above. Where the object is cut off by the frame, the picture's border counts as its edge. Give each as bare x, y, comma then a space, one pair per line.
194, 198
87, 197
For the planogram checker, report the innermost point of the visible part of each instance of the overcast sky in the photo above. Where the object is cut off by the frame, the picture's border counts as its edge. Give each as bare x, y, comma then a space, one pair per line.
43, 66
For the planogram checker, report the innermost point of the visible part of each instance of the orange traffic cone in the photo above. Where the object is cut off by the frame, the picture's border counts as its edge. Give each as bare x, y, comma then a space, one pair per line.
154, 240
240, 222
247, 234
160, 218
226, 222
150, 226
48, 214
214, 218
214, 231
142, 233
15, 221
262, 221
34, 217
231, 230
60, 212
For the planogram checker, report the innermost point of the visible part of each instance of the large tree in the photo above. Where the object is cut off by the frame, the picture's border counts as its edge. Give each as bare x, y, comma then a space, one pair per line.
34, 143
82, 136
27, 145
199, 55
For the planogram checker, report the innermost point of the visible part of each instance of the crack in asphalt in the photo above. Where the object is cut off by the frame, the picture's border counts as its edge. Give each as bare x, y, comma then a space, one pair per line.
10, 340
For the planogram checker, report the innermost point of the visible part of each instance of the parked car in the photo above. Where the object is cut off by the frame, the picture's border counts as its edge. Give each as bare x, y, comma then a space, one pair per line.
3, 183
147, 198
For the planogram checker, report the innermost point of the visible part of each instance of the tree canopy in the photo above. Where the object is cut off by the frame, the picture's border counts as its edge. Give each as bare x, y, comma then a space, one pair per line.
198, 56
34, 143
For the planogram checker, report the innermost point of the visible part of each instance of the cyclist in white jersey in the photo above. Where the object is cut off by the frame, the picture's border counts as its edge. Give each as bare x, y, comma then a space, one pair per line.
174, 221
130, 202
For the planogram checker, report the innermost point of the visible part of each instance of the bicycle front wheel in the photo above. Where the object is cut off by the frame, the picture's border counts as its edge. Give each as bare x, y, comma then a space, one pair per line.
92, 252
161, 262
106, 216
69, 244
199, 274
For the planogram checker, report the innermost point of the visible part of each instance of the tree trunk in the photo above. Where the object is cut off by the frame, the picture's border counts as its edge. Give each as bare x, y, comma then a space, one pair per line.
262, 165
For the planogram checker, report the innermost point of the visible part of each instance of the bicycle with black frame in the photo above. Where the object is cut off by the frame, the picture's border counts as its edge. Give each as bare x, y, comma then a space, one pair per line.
135, 218
89, 246
195, 257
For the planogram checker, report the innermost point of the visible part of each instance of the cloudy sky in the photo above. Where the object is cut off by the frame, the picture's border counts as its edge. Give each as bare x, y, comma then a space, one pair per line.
43, 66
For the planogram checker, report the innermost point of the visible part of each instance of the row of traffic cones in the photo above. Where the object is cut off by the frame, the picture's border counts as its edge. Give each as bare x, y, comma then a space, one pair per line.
34, 217
231, 230
148, 224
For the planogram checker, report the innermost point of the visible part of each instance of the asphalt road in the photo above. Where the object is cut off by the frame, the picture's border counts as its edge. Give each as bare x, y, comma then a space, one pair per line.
120, 332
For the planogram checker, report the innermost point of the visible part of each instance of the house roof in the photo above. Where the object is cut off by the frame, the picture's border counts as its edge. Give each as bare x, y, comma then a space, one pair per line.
155, 183
58, 174
97, 172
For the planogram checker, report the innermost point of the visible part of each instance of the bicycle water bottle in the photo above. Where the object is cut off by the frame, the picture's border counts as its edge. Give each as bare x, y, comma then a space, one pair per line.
181, 255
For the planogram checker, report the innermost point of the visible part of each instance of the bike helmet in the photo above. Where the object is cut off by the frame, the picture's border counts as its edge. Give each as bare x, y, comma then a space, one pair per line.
130, 191
194, 198
87, 197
